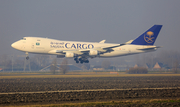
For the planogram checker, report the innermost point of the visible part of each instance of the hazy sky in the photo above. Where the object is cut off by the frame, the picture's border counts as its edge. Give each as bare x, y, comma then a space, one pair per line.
117, 21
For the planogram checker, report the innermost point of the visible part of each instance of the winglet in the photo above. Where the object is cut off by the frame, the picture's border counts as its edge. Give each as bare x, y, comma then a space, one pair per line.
148, 37
102, 41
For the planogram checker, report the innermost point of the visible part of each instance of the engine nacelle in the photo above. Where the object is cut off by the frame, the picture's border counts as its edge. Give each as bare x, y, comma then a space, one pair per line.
69, 55
93, 52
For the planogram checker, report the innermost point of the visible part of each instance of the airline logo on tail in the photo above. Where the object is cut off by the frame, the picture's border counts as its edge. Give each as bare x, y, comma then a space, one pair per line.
148, 37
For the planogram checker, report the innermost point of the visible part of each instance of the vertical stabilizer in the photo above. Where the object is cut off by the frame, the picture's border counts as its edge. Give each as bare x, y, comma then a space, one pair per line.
148, 37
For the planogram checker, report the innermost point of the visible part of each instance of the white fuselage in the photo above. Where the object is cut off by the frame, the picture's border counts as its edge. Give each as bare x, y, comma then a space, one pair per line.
81, 51
50, 46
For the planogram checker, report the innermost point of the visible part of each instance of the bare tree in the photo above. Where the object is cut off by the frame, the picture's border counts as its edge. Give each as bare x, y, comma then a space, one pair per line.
53, 66
5, 62
175, 66
64, 66
106, 64
85, 66
41, 60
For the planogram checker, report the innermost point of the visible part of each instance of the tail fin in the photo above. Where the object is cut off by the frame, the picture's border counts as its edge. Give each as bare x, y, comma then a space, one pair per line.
148, 37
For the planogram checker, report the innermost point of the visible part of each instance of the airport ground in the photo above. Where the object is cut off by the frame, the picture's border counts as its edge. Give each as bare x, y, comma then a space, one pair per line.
89, 89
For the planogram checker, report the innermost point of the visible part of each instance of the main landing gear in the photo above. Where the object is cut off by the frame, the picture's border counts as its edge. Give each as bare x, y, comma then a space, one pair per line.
81, 60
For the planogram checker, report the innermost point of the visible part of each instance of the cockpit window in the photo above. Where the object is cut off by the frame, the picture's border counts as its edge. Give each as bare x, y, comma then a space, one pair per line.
23, 39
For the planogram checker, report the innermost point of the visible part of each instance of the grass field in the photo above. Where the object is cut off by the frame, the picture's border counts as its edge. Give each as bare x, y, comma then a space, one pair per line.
37, 82
114, 103
11, 75
124, 103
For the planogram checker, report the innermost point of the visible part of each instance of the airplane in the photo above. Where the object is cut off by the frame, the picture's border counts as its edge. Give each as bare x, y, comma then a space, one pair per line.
81, 51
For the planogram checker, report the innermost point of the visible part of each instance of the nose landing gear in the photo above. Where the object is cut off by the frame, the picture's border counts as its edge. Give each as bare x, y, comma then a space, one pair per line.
28, 61
27, 56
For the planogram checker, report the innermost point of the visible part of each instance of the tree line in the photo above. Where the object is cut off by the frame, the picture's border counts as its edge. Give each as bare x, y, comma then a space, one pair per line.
166, 59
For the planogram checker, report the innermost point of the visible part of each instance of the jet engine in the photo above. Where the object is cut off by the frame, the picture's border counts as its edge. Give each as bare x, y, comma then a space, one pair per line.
69, 55
93, 52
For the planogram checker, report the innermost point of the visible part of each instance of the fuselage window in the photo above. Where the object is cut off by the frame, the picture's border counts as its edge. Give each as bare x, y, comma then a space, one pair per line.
23, 39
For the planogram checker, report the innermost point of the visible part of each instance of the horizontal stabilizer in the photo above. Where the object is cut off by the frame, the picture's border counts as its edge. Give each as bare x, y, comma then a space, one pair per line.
149, 48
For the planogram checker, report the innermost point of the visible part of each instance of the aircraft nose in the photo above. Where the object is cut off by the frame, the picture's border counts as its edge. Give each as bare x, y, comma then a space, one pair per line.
13, 45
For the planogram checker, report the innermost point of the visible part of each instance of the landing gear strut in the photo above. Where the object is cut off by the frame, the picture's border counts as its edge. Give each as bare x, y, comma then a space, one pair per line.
27, 56
28, 61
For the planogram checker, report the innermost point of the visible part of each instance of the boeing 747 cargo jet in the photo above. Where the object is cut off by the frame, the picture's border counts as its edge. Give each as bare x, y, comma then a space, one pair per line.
81, 51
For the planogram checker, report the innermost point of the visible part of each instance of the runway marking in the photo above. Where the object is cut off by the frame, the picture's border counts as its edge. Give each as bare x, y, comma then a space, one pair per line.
89, 90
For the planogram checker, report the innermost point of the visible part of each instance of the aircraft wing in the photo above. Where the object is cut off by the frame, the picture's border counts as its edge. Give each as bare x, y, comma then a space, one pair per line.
86, 51
110, 47
100, 50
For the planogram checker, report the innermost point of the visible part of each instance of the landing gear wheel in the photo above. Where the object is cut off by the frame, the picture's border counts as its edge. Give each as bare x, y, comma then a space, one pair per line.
87, 61
76, 59
27, 57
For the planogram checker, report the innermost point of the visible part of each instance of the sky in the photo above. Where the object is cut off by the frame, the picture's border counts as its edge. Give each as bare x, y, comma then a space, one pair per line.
116, 21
